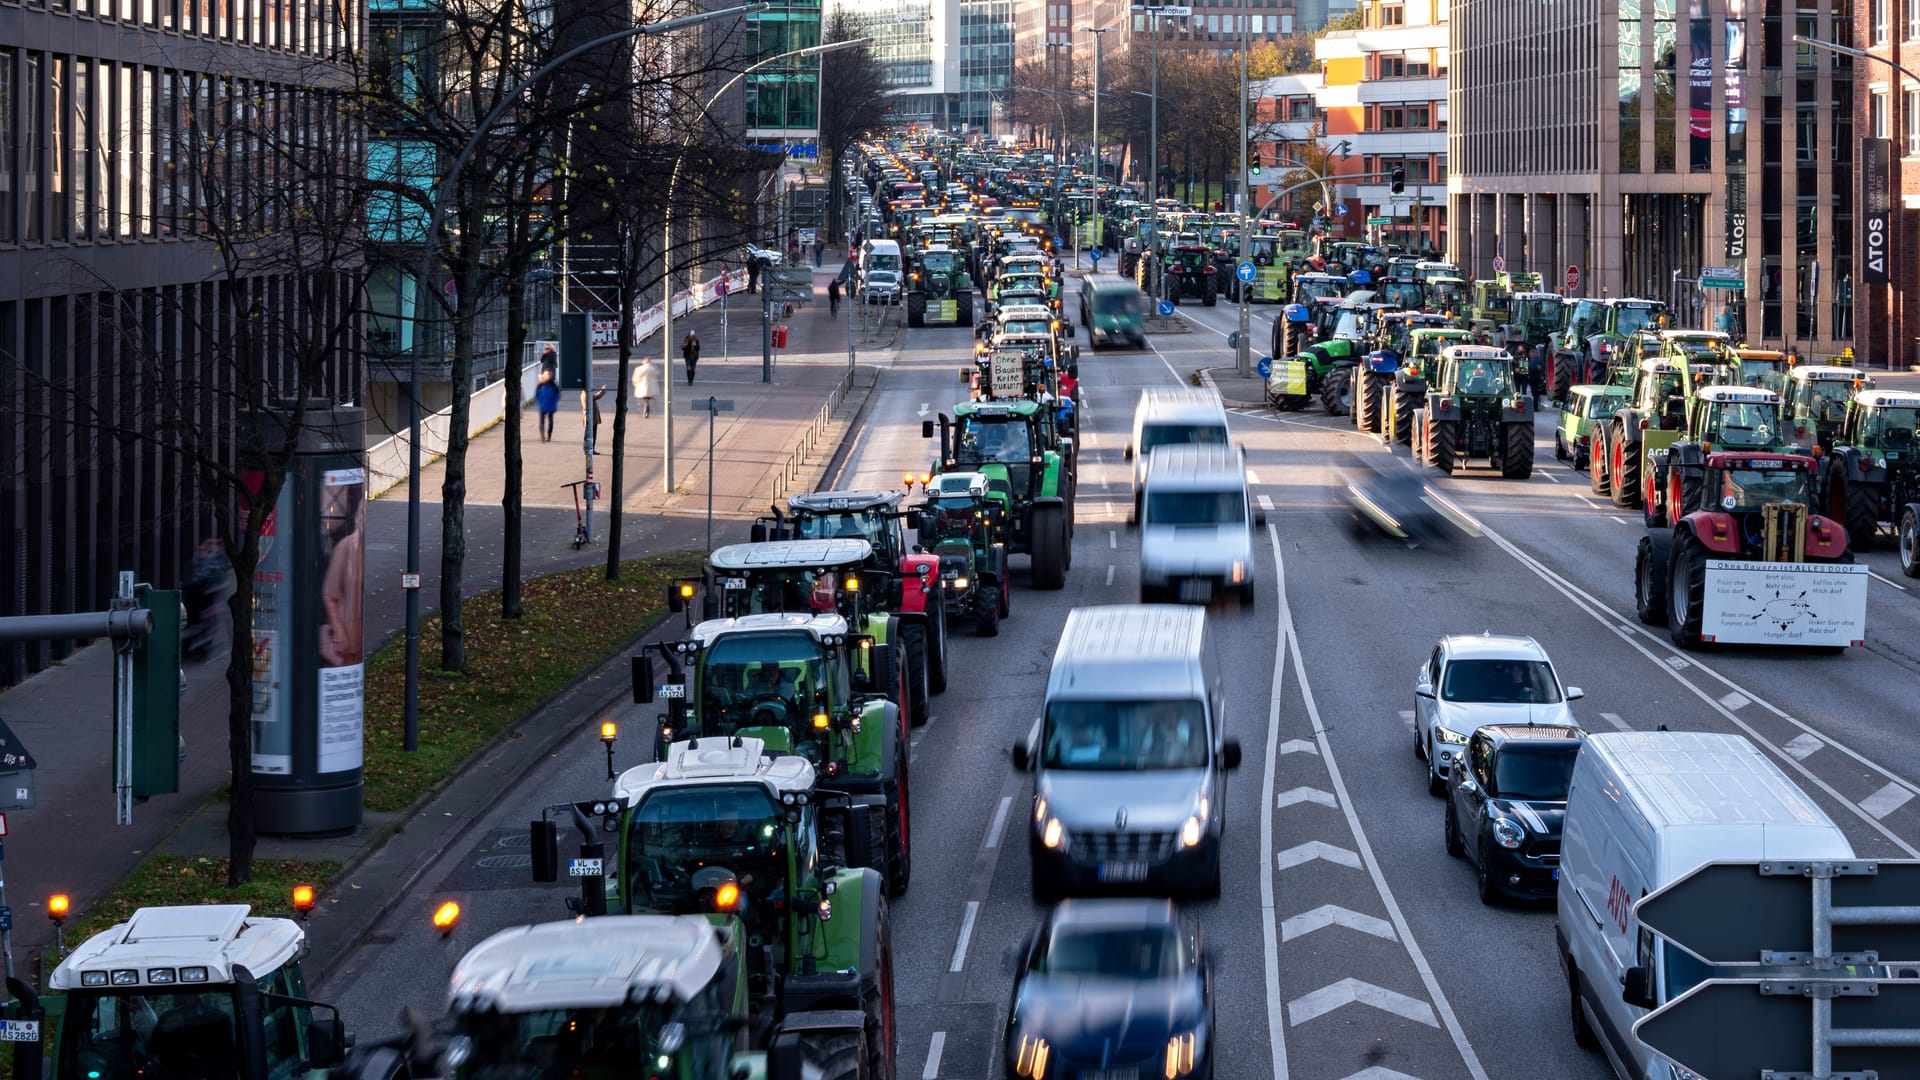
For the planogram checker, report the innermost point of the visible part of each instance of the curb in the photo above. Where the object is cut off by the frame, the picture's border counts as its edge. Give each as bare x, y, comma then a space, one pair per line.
1206, 377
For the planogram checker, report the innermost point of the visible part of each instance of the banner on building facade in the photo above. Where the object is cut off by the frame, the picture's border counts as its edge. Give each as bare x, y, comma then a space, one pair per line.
1736, 217
1876, 158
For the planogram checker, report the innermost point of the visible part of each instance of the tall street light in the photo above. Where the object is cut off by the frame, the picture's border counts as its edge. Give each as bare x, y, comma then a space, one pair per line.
1245, 194
1154, 13
666, 237
1099, 159
430, 246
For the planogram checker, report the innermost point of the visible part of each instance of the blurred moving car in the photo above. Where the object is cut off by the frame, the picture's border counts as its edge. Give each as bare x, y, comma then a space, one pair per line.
1387, 494
1473, 680
1111, 988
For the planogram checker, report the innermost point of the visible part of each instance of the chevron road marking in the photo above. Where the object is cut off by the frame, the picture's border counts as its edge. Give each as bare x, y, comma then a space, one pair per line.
1304, 794
1315, 849
1334, 915
1352, 991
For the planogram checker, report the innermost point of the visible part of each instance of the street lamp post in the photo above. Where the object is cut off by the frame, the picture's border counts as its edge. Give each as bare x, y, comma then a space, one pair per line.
1243, 353
1099, 159
666, 241
436, 214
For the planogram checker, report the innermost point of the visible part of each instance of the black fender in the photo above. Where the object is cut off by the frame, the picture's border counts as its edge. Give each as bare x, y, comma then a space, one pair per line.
1627, 421
1436, 413
1859, 467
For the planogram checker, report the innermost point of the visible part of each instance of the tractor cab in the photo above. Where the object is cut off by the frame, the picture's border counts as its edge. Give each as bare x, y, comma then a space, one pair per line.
1658, 392
1008, 441
1476, 374
1817, 398
1311, 288
1447, 295
1405, 293
806, 576
1765, 368
1883, 423
1737, 418
1427, 270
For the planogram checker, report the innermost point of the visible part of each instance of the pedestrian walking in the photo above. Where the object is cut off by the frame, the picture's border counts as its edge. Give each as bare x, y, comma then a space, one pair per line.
690, 349
643, 385
546, 398
549, 363
754, 263
833, 297
819, 253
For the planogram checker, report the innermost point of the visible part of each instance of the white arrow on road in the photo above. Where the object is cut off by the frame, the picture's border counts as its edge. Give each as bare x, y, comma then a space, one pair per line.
1304, 794
1347, 992
1315, 849
1380, 1072
1299, 746
1334, 915
923, 409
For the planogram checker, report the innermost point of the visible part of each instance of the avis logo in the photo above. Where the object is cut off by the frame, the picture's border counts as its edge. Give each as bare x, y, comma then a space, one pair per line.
1619, 904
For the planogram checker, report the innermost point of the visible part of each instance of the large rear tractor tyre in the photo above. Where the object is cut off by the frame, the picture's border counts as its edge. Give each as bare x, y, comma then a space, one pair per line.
1211, 296
1049, 557
1560, 378
963, 310
986, 613
1910, 540
899, 826
1625, 472
1295, 340
838, 1055
1407, 396
1443, 447
937, 642
1855, 505
1336, 393
1516, 450
1686, 590
877, 1001
913, 636
1650, 566
1367, 402
916, 311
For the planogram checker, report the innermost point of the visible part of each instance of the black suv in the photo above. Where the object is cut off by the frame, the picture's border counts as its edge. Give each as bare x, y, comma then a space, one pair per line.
1505, 803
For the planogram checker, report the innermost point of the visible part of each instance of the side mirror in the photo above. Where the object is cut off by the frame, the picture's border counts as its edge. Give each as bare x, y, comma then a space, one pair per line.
758, 533
1423, 691
674, 602
1637, 988
926, 429
546, 849
642, 679
1126, 453
1022, 757
1230, 754
326, 1042
1259, 519
1574, 693
1467, 785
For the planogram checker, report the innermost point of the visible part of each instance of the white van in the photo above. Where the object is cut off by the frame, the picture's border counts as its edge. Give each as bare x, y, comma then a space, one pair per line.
1128, 755
1196, 525
879, 254
1171, 418
1644, 809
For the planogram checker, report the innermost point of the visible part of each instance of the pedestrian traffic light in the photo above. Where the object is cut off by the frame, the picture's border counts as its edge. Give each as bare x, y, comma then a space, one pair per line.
156, 697
1253, 158
1399, 181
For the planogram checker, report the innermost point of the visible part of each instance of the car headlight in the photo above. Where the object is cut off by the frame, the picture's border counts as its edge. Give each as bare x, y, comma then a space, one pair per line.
1192, 831
1031, 1057
1054, 834
1239, 572
1179, 1056
1441, 734
1508, 834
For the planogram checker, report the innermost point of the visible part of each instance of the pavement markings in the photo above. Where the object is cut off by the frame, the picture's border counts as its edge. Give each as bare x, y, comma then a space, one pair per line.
1622, 520
1736, 700
1887, 800
1614, 719
1803, 746
1304, 794
1266, 503
935, 1047
1315, 849
1252, 477
1886, 581
999, 822
1109, 573
1549, 476
1276, 1030
1334, 915
1352, 991
1678, 662
1591, 503
1299, 746
966, 935
1379, 1072
1113, 540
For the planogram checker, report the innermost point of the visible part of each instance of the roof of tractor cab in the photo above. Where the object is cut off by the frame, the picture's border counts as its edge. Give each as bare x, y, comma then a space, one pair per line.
1765, 459
834, 502
836, 552
1006, 409
1888, 399
601, 963
218, 937
1659, 365
1536, 296
1693, 335
1462, 353
1823, 373
717, 759
1319, 279
816, 626
1738, 395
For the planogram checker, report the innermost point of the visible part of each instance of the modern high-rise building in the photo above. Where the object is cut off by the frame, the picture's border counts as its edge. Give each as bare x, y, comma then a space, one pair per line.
949, 64
783, 100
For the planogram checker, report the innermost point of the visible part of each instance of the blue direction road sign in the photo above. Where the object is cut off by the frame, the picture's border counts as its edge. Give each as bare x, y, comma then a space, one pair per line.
1264, 367
1166, 308
1096, 254
1244, 271
1340, 209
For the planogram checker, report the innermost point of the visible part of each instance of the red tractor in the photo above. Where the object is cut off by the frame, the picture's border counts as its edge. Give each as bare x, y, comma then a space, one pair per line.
879, 518
1190, 272
1732, 506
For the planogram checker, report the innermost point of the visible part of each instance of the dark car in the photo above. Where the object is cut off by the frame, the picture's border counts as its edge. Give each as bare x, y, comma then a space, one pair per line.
1112, 988
1505, 804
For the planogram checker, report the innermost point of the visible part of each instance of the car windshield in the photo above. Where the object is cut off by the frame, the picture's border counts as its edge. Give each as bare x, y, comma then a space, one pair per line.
1890, 427
1153, 435
1004, 441
682, 840
1125, 735
1743, 490
767, 679
1195, 508
1500, 682
1116, 302
1483, 378
1744, 423
1632, 320
883, 261
560, 1042
1112, 952
1533, 773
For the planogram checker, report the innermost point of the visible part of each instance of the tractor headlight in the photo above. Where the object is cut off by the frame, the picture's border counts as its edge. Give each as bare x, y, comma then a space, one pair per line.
1508, 834
959, 583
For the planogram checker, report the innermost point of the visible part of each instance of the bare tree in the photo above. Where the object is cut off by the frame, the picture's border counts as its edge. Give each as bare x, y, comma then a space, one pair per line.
852, 101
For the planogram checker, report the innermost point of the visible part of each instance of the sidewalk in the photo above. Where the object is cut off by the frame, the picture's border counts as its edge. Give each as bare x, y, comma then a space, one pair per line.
68, 843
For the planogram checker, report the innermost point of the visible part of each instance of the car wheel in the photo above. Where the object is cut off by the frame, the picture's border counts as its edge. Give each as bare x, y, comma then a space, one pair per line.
1454, 847
1489, 893
1583, 1033
1436, 784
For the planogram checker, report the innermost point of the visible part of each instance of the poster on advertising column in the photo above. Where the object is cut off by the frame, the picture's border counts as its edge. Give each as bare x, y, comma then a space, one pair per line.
342, 572
272, 607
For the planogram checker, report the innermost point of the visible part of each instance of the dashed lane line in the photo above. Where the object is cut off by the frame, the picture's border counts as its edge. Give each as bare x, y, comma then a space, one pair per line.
935, 1047
1614, 719
1886, 581
999, 828
1110, 573
966, 935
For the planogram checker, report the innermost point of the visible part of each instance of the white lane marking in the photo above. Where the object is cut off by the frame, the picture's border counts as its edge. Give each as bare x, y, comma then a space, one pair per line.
1379, 1072
1734, 699
1113, 540
935, 1047
1406, 717
1315, 849
1614, 719
1623, 521
1266, 502
1168, 363
1334, 915
1177, 310
1591, 503
1290, 635
1633, 635
1252, 477
1276, 1029
1351, 991
1109, 573
1304, 794
1887, 581
1549, 475
966, 934
999, 822
1678, 663
1803, 746
1887, 800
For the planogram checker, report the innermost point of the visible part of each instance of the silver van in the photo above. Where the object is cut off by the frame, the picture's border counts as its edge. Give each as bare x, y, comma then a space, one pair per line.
1128, 756
1169, 418
1196, 525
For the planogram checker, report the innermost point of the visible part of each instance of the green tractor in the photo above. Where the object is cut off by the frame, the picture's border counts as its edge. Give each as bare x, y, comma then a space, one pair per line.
1652, 420
1596, 333
1301, 324
963, 526
1392, 341
1190, 271
1325, 367
1007, 441
939, 291
1873, 471
759, 845
1416, 368
1732, 419
1816, 399
1448, 296
1476, 410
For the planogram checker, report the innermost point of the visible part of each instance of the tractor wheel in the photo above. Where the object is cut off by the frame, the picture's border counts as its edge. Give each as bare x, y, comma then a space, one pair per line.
899, 824
1650, 566
1625, 472
1560, 378
916, 310
1686, 590
837, 1055
1516, 450
1598, 454
1691, 498
1855, 505
964, 309
1375, 393
986, 612
1295, 338
1049, 556
1407, 396
1210, 295
1910, 540
913, 637
1443, 444
937, 643
1336, 393
877, 1001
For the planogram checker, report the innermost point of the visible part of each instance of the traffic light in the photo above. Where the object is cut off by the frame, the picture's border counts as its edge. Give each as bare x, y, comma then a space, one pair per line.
156, 697
1253, 158
1399, 181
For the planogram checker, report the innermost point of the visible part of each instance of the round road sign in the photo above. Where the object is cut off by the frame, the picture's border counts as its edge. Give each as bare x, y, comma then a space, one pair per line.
1244, 271
1166, 308
720, 287
1499, 265
1264, 367
1573, 278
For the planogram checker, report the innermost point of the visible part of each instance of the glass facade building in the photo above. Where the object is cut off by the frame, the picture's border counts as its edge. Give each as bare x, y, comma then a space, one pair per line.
783, 100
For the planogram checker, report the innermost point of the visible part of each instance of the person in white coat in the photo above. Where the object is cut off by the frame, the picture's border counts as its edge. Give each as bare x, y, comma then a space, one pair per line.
643, 377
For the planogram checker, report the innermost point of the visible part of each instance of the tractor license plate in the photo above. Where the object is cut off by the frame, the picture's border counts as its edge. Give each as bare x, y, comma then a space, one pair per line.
1123, 871
1196, 591
19, 1031
585, 868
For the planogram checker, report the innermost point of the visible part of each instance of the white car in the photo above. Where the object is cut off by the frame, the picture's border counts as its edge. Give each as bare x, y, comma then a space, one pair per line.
881, 287
1472, 680
772, 257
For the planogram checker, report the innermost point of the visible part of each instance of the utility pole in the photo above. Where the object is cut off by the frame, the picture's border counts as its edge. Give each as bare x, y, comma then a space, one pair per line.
1243, 351
1099, 161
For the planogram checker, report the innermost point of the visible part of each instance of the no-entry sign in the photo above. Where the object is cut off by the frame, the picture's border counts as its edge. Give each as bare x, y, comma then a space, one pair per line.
1573, 278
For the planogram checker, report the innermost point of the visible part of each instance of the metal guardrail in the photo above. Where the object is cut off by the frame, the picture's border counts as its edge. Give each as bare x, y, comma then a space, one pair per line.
816, 433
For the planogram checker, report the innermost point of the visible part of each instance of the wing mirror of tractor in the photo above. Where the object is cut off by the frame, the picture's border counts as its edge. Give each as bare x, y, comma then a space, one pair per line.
1574, 693
758, 533
676, 599
326, 1041
1637, 988
642, 679
896, 594
545, 835
926, 429
1230, 754
1022, 757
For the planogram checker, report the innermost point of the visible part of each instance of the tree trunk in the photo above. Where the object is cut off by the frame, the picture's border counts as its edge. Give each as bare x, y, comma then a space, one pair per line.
453, 489
629, 273
511, 606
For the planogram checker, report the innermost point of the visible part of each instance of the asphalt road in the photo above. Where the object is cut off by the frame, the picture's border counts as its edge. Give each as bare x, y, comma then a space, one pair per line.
1347, 940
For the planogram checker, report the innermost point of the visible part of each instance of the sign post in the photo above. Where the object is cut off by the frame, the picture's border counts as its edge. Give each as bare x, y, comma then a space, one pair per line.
713, 407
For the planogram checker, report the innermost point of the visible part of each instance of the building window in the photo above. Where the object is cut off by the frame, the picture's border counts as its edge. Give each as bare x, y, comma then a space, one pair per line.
1392, 67
1396, 15
1912, 100
1286, 24
1912, 20
1806, 135
1877, 114
1418, 66
1879, 22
